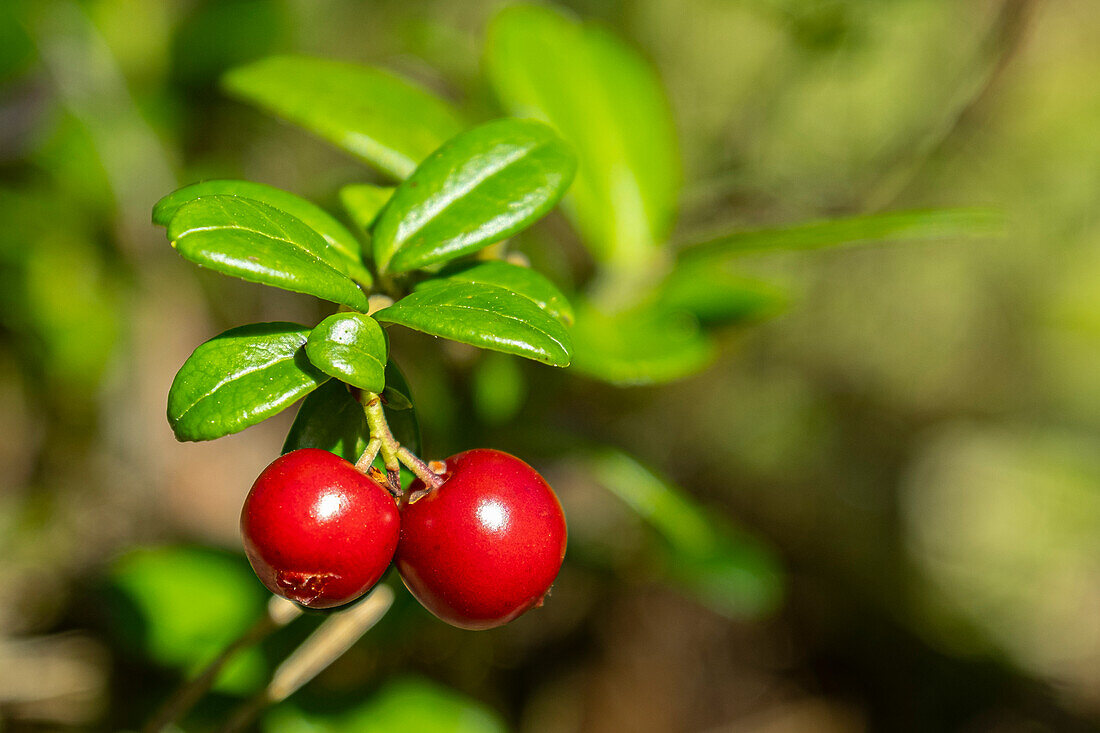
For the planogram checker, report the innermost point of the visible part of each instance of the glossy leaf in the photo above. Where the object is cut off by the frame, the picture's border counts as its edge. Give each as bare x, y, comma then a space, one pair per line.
646, 345
728, 570
480, 187
520, 280
352, 348
387, 121
485, 316
155, 583
608, 103
895, 225
259, 243
363, 202
331, 418
707, 288
239, 378
344, 252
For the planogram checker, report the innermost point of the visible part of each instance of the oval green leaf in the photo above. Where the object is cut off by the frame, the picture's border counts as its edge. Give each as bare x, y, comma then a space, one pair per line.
520, 280
385, 120
707, 288
608, 103
481, 187
345, 252
259, 243
484, 316
363, 202
332, 419
642, 346
239, 378
352, 348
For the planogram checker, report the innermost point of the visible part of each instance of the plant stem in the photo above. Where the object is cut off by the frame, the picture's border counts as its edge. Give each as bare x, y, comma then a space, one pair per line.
423, 472
380, 430
364, 463
280, 612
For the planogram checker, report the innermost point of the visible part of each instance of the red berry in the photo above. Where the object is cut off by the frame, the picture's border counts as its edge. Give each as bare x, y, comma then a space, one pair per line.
316, 530
485, 546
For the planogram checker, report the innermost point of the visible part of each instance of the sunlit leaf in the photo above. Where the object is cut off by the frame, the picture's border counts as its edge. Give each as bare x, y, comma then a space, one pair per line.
383, 119
645, 345
485, 316
350, 347
482, 186
894, 225
726, 569
605, 100
520, 280
259, 243
239, 378
344, 253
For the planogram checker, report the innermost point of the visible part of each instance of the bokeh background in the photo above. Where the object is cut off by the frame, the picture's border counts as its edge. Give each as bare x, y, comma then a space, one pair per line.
901, 466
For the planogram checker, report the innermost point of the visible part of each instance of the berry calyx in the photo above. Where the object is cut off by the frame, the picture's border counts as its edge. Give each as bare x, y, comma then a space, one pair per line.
485, 546
316, 530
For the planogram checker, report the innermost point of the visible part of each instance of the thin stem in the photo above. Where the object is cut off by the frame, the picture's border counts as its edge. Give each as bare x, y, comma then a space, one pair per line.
380, 429
423, 472
280, 612
367, 459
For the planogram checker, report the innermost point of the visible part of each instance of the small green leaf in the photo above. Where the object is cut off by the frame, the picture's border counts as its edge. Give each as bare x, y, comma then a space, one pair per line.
332, 419
646, 345
520, 280
239, 378
480, 187
259, 243
345, 252
728, 570
352, 348
608, 103
363, 202
894, 225
707, 288
485, 316
383, 119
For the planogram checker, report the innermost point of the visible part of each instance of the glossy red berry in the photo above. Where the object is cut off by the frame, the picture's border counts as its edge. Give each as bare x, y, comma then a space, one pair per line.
316, 530
486, 545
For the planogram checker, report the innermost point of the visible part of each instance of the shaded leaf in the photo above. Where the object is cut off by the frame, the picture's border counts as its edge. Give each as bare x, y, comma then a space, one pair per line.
350, 347
363, 202
728, 570
344, 253
608, 103
485, 316
645, 345
239, 378
707, 288
383, 119
520, 280
895, 225
480, 187
259, 243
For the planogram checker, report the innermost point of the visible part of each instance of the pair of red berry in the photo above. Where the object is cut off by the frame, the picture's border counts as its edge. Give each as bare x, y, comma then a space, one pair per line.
477, 551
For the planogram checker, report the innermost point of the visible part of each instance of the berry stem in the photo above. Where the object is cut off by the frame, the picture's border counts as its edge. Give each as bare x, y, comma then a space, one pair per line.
423, 472
364, 463
380, 430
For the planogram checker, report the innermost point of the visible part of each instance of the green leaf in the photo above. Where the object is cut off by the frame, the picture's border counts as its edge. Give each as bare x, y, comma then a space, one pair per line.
332, 419
607, 101
895, 225
259, 243
707, 288
728, 570
352, 348
385, 120
646, 345
363, 201
239, 378
157, 582
344, 253
520, 280
485, 316
480, 187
